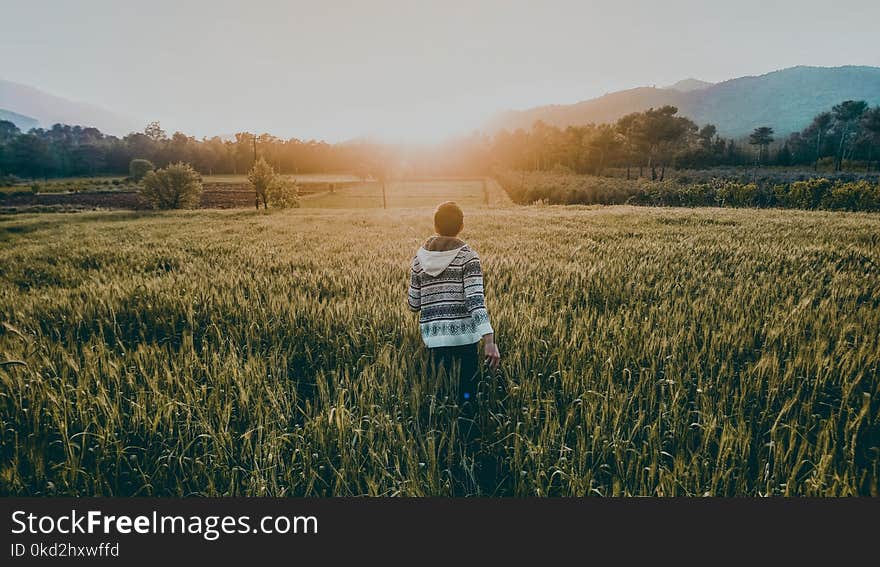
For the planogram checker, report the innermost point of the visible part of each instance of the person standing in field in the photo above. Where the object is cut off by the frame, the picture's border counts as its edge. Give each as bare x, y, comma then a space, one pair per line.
446, 288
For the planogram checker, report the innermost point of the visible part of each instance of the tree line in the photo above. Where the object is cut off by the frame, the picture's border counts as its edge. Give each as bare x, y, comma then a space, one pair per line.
652, 140
850, 131
640, 144
69, 151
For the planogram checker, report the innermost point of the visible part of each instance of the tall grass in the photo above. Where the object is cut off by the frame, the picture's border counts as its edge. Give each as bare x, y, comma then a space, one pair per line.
646, 351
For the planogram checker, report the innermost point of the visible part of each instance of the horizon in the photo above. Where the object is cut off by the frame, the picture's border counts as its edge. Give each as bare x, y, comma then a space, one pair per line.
414, 143
428, 76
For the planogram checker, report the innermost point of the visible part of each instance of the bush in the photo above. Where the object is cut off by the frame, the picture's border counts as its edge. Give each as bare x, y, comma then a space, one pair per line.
737, 194
35, 188
177, 186
839, 193
266, 183
283, 195
854, 196
808, 194
138, 168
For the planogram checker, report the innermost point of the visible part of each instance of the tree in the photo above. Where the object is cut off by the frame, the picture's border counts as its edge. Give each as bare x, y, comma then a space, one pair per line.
783, 156
602, 142
761, 137
29, 156
8, 131
661, 132
631, 144
846, 114
706, 135
539, 143
245, 151
870, 124
174, 187
265, 180
821, 123
86, 159
138, 168
154, 131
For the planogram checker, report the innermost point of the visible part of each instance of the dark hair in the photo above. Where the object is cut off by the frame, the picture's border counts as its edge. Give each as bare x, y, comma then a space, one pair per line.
448, 219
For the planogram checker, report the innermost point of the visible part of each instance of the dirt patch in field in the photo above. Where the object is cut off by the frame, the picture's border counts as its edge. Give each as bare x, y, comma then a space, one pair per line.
214, 196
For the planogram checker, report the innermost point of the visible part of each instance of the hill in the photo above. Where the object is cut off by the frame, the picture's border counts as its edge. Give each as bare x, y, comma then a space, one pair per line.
47, 109
23, 122
787, 100
687, 85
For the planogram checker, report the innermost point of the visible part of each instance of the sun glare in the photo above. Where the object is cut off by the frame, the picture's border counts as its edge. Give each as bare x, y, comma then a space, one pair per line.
420, 126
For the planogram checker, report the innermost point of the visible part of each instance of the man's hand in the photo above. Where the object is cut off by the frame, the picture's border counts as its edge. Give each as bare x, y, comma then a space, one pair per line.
490, 350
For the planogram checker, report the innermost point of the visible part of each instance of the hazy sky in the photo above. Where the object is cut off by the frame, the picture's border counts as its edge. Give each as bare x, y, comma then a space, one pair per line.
336, 69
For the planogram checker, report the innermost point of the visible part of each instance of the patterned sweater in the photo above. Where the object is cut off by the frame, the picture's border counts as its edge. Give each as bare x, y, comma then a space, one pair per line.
446, 287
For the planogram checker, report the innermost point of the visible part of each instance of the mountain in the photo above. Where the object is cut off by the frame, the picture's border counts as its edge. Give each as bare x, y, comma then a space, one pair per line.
23, 122
48, 109
786, 100
687, 85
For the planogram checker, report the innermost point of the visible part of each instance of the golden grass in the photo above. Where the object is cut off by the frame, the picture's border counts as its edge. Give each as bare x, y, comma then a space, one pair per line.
645, 352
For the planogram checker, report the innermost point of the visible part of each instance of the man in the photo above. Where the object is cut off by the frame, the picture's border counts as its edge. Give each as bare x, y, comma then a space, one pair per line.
446, 287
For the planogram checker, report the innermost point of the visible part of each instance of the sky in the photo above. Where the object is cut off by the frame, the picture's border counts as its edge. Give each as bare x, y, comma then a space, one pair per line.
402, 70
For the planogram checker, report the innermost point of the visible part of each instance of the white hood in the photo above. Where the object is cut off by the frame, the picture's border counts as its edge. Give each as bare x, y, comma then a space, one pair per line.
433, 262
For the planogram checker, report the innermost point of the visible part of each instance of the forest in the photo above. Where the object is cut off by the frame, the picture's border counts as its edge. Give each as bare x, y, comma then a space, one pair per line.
845, 137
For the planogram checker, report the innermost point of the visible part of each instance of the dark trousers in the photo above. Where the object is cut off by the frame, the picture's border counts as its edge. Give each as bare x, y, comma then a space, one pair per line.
462, 363
465, 360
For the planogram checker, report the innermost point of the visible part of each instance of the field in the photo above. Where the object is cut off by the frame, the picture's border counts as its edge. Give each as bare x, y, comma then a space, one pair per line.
409, 194
110, 183
298, 177
646, 351
231, 192
68, 185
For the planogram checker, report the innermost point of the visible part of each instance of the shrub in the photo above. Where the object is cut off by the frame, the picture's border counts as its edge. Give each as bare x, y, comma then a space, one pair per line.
138, 168
844, 192
265, 182
808, 194
854, 196
35, 188
737, 194
177, 186
283, 195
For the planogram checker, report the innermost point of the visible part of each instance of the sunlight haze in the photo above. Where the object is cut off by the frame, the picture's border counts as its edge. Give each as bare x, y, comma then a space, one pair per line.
400, 71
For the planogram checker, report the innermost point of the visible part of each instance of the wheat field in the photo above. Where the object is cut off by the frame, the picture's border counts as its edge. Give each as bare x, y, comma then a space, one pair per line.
646, 351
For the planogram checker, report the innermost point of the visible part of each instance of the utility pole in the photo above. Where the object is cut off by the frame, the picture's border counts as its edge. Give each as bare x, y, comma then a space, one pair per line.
256, 195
